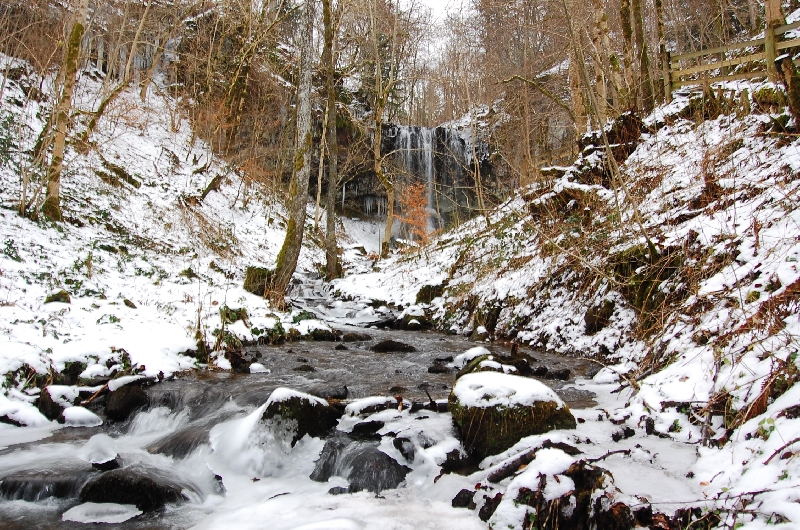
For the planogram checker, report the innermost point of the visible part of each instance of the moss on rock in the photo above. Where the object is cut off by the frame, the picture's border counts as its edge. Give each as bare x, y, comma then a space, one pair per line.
489, 430
428, 292
256, 280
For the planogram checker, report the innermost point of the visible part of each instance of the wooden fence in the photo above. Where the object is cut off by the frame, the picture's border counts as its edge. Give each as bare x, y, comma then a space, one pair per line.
771, 44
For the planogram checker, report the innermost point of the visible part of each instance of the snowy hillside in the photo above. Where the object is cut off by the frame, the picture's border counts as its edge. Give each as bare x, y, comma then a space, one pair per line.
702, 334
147, 261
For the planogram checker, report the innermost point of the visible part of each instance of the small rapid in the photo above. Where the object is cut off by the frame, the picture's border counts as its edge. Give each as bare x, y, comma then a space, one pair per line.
199, 436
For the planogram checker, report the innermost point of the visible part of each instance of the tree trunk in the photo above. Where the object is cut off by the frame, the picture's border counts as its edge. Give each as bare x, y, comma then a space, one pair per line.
662, 51
52, 203
600, 58
774, 18
628, 95
385, 181
645, 80
383, 90
298, 190
576, 91
329, 62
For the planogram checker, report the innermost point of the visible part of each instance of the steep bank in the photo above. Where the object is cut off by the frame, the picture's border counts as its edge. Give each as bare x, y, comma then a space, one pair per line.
157, 236
679, 273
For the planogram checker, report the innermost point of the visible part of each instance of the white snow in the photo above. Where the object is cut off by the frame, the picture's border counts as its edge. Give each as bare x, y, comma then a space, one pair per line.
463, 359
490, 389
731, 338
122, 381
81, 417
99, 449
258, 368
356, 407
333, 524
285, 394
91, 512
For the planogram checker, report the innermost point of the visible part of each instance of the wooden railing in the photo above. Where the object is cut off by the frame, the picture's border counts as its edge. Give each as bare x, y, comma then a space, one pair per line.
770, 44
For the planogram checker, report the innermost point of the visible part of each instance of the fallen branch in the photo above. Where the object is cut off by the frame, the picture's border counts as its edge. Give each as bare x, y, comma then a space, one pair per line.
95, 395
626, 452
526, 458
784, 446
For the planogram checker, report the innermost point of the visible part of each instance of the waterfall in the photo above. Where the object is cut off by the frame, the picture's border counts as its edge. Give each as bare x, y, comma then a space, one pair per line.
415, 154
441, 157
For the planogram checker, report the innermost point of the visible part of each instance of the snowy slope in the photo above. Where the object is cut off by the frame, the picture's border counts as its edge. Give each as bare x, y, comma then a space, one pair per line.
147, 262
703, 336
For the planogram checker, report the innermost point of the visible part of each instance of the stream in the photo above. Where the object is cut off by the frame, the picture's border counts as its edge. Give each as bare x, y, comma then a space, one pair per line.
41, 479
200, 436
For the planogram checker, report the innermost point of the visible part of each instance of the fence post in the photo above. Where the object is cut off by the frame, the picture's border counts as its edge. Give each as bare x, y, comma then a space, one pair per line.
774, 16
769, 49
667, 67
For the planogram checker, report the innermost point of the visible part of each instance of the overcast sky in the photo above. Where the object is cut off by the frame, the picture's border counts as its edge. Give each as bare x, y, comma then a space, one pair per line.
440, 7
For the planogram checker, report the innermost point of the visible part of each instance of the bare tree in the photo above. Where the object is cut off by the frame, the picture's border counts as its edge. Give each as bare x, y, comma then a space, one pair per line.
329, 64
68, 77
298, 190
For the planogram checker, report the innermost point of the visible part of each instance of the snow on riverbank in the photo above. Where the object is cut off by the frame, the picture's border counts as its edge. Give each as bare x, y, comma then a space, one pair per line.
703, 335
709, 382
146, 262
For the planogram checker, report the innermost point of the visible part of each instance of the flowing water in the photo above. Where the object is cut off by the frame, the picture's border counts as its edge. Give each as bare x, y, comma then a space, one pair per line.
169, 439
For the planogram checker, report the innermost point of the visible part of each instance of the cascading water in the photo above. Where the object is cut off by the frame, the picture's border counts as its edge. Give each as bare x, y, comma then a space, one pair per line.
438, 157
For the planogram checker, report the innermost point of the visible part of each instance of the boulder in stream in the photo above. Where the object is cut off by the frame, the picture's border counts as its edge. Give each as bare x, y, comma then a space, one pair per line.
363, 465
493, 411
302, 413
329, 391
393, 346
124, 400
356, 336
147, 490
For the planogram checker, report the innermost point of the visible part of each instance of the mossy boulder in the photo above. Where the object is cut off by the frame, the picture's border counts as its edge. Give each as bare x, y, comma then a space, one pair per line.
300, 413
61, 296
413, 323
256, 280
323, 335
413, 318
473, 366
427, 293
493, 411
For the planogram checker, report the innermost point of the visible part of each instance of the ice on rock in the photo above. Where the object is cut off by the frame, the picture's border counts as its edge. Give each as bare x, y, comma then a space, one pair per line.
92, 512
366, 312
99, 449
81, 417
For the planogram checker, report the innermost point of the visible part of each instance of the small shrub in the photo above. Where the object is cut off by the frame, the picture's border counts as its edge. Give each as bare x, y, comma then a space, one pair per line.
10, 250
